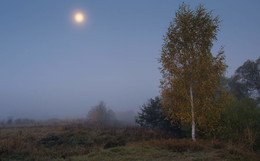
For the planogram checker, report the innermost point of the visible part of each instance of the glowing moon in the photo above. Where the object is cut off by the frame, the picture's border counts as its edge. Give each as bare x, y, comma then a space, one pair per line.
79, 17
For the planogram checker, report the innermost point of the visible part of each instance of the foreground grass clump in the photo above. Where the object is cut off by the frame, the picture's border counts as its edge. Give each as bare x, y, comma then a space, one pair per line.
155, 153
60, 140
129, 153
179, 145
83, 141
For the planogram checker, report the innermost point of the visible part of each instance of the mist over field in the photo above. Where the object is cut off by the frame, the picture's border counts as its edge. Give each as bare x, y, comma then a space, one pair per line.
51, 67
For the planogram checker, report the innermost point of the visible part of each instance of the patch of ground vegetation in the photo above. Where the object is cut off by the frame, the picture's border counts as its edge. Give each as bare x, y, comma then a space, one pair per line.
153, 153
82, 141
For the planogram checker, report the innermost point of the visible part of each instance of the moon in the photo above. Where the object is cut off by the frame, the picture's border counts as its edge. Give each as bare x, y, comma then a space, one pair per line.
79, 17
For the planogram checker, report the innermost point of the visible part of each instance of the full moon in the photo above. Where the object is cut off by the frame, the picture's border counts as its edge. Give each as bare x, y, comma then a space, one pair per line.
79, 17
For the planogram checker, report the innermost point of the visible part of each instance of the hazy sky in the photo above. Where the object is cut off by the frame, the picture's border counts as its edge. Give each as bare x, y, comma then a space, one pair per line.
52, 67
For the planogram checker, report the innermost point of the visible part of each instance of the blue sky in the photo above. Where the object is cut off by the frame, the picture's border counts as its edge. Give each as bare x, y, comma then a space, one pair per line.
52, 67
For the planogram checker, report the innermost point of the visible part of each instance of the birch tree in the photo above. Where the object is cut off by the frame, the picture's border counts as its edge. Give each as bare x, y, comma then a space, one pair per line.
190, 73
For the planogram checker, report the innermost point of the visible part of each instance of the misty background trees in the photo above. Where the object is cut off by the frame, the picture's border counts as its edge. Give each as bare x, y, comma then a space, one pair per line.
246, 80
101, 115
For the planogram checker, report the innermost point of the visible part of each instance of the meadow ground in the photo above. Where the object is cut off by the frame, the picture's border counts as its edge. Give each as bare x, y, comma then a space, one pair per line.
80, 141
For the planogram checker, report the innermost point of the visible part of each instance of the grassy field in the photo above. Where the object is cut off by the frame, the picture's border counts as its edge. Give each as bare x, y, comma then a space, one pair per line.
79, 141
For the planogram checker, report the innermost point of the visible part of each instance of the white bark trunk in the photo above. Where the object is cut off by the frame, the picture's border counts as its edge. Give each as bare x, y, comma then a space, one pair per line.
192, 115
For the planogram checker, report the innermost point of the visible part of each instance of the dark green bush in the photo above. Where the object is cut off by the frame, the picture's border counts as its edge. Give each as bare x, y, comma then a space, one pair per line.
153, 116
241, 123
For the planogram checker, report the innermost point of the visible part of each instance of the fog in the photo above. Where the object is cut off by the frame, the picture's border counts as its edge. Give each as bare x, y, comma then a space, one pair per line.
46, 95
65, 109
51, 67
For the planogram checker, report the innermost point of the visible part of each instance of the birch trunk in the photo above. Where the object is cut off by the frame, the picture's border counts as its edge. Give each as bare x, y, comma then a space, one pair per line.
192, 115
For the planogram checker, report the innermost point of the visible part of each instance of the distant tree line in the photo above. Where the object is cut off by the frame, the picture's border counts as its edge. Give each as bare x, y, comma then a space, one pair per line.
10, 121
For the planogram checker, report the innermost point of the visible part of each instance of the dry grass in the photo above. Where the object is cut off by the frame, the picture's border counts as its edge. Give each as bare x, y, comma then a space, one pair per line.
81, 141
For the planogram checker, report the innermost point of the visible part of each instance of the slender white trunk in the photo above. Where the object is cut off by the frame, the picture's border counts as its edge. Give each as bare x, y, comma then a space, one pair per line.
192, 115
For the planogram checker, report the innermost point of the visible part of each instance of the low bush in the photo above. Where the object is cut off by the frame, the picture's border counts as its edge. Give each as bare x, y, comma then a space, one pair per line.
119, 141
178, 145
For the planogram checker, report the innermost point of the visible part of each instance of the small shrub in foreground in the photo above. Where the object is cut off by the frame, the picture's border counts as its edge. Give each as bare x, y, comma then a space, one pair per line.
179, 145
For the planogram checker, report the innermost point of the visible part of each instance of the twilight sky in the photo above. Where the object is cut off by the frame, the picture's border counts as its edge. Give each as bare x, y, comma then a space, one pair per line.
52, 67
